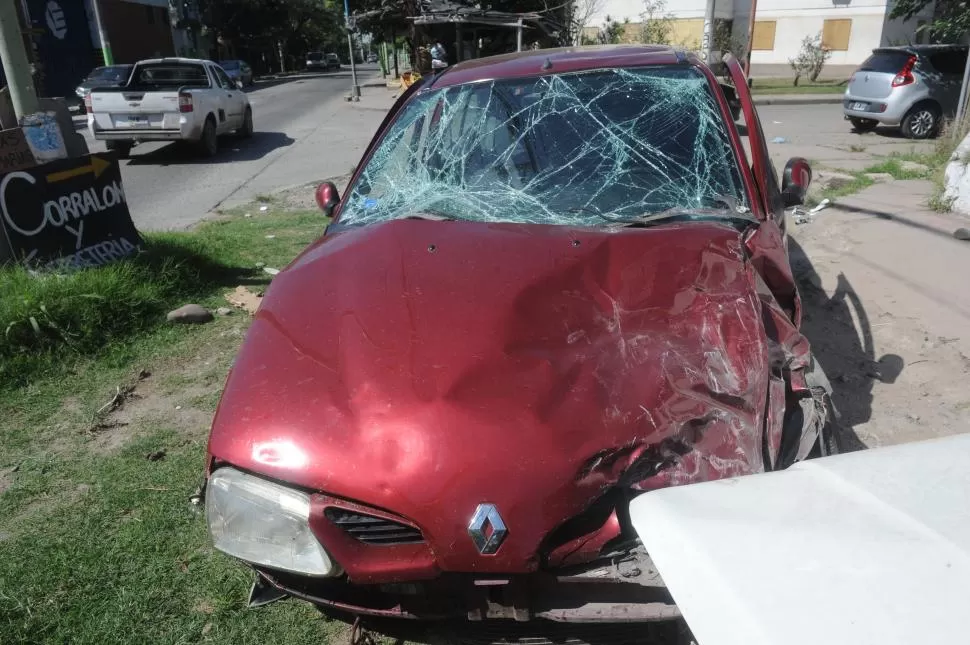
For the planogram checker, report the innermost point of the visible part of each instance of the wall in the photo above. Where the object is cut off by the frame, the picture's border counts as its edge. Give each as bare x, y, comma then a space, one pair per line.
633, 10
137, 30
794, 20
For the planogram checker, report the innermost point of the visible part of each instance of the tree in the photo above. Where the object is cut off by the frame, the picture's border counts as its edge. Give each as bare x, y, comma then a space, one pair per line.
810, 59
658, 23
611, 32
951, 18
581, 14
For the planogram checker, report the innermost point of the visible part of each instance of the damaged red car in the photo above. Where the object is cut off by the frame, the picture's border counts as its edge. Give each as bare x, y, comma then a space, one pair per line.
556, 280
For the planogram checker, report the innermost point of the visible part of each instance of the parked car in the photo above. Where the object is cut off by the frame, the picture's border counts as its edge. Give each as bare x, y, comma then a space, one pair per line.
333, 61
170, 99
238, 70
317, 61
911, 88
372, 57
107, 76
556, 281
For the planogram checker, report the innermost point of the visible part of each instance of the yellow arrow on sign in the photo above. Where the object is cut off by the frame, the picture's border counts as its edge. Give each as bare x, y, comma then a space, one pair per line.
97, 166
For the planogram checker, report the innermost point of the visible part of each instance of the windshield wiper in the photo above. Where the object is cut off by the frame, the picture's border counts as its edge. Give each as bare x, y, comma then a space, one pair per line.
733, 210
432, 216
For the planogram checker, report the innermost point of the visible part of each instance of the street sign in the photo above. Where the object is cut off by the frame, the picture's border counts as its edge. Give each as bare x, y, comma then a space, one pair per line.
15, 153
67, 214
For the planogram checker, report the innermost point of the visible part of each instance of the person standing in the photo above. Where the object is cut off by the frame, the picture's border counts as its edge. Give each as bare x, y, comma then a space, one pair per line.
439, 56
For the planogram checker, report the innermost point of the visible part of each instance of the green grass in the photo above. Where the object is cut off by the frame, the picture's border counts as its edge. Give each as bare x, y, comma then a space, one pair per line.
784, 86
97, 543
935, 162
49, 322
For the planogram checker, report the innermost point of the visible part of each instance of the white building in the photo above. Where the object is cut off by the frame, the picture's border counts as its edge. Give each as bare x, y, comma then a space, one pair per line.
850, 28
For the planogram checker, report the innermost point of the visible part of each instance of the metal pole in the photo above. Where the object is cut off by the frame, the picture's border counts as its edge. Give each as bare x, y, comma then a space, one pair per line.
962, 105
707, 39
354, 88
518, 37
15, 62
747, 58
102, 35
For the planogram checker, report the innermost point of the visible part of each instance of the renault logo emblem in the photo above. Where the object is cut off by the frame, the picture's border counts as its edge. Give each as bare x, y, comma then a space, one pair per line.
487, 529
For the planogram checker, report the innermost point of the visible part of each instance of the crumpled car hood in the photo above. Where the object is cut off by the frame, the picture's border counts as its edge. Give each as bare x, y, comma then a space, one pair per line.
427, 367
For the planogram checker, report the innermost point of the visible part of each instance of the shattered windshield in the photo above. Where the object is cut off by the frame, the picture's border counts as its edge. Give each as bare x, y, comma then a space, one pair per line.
579, 149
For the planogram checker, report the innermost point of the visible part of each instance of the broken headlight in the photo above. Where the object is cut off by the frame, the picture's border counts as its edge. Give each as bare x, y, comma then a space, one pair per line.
264, 523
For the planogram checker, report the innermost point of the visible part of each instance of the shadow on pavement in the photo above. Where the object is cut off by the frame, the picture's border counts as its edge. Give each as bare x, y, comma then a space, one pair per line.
231, 149
840, 333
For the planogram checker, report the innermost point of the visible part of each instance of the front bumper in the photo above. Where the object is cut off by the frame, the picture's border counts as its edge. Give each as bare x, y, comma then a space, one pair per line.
629, 591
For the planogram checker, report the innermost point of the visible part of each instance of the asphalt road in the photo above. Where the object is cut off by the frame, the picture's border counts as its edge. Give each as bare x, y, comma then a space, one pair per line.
305, 131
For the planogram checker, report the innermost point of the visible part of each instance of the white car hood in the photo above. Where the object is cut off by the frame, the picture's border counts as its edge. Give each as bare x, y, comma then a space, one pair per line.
871, 547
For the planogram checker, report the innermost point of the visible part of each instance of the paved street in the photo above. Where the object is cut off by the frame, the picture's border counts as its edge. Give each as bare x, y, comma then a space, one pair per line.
820, 134
305, 131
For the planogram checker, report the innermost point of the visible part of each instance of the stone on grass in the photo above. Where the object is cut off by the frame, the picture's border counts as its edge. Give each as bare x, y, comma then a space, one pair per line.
190, 314
912, 166
224, 311
879, 176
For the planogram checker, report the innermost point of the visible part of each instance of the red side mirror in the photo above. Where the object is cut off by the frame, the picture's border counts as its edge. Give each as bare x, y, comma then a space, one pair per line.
795, 181
327, 197
798, 173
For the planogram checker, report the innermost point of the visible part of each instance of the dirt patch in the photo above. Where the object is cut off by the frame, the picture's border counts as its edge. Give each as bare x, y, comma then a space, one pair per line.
175, 393
895, 377
6, 478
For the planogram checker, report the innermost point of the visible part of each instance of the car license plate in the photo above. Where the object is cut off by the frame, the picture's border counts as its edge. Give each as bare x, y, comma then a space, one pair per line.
860, 107
138, 120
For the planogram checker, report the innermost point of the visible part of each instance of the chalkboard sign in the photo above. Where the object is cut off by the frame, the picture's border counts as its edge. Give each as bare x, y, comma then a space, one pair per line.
69, 213
14, 151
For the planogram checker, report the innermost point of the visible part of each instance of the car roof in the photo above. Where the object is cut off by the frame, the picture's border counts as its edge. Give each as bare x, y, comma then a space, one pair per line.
920, 49
152, 61
564, 59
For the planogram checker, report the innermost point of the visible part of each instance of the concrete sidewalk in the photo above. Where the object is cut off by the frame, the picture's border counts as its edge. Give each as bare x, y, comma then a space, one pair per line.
888, 311
797, 99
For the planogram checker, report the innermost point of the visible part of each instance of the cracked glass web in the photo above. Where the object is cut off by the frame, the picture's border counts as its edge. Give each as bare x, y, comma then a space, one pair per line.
578, 149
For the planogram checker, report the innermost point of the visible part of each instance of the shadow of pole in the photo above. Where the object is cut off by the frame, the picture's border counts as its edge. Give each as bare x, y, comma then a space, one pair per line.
840, 333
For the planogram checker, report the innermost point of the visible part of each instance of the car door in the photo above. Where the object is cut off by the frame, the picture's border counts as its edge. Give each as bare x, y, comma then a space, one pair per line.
233, 101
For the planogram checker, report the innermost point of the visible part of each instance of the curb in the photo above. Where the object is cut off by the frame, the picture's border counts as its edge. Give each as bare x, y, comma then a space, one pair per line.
835, 99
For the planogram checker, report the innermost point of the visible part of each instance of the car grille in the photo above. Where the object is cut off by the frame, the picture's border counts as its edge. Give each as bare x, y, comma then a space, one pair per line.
376, 531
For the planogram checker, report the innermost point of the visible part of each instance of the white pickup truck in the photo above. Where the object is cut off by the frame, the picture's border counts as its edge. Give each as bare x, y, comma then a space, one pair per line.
170, 99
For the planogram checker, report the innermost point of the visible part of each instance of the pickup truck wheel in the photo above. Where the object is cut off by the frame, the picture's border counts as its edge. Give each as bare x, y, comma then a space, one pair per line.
209, 143
246, 131
121, 148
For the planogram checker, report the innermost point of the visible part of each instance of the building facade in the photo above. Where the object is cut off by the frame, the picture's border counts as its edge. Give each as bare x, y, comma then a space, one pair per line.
849, 28
63, 46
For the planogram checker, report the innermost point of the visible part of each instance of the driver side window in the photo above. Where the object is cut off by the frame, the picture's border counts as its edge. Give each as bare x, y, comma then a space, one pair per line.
224, 81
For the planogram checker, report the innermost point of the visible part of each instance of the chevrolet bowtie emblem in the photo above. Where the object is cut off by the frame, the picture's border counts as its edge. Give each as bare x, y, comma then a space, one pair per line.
487, 529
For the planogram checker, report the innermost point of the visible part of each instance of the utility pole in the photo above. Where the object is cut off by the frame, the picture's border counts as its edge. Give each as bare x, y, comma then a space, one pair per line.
15, 63
747, 58
962, 105
354, 88
707, 40
109, 58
